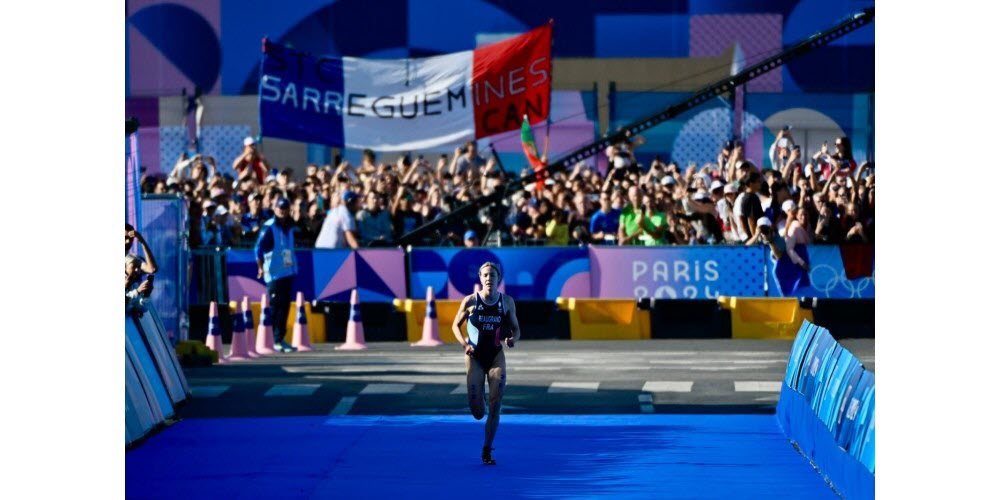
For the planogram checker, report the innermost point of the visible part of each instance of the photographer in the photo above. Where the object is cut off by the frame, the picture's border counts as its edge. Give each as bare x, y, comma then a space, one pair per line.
137, 290
765, 235
251, 161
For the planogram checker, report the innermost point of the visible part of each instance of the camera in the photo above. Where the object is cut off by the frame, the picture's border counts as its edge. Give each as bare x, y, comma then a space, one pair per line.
149, 279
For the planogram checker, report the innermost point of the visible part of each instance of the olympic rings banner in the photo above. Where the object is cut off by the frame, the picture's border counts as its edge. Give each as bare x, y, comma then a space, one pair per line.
528, 272
835, 272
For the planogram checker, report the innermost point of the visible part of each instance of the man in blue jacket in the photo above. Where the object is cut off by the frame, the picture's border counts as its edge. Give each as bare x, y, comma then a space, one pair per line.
276, 264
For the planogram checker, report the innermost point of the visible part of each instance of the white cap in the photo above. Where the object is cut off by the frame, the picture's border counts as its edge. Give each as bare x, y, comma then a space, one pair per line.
221, 210
730, 189
701, 195
668, 181
763, 221
787, 205
249, 141
717, 184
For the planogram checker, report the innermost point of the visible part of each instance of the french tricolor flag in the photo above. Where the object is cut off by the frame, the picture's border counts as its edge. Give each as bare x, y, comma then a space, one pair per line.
406, 104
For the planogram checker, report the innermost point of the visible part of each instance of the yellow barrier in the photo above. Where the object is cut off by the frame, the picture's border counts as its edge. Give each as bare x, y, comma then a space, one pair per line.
605, 319
765, 318
416, 310
315, 320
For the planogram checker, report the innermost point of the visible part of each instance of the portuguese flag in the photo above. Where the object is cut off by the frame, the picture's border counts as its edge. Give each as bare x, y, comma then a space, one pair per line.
531, 151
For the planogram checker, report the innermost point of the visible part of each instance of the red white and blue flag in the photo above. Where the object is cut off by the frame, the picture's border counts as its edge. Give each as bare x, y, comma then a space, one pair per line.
406, 104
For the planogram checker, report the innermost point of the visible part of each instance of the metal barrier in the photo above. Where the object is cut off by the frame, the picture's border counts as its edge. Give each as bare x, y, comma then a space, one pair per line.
165, 228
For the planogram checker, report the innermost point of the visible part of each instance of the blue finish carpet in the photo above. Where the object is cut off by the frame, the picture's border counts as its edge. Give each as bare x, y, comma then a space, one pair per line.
538, 456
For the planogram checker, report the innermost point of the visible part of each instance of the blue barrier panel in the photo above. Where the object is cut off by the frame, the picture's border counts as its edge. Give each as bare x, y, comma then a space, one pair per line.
847, 430
840, 382
864, 427
528, 273
138, 414
152, 385
827, 408
804, 339
824, 374
866, 452
164, 356
821, 347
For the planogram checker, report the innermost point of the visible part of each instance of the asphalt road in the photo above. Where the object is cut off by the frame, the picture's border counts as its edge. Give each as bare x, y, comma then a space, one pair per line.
543, 377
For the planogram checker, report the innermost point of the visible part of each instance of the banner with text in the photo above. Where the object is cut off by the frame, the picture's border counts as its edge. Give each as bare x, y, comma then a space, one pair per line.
405, 104
528, 273
676, 272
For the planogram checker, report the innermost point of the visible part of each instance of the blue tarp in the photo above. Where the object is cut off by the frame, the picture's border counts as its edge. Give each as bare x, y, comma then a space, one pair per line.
539, 456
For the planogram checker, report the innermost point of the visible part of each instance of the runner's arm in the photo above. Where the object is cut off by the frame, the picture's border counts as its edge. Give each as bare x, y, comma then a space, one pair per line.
515, 328
456, 326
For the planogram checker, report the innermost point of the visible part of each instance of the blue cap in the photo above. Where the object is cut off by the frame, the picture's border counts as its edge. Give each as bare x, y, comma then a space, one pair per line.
349, 196
470, 235
283, 203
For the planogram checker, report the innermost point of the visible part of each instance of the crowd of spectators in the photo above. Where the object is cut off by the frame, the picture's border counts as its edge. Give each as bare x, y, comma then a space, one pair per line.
825, 197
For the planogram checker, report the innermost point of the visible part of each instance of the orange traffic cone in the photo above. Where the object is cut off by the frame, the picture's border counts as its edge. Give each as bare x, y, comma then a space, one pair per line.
355, 329
238, 345
265, 334
300, 332
432, 335
214, 338
250, 333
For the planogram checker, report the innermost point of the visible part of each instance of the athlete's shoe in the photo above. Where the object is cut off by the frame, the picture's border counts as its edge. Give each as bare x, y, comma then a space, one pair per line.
284, 347
488, 457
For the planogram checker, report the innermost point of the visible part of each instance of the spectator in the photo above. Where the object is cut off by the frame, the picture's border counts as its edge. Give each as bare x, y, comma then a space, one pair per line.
404, 217
557, 230
652, 222
763, 234
470, 239
467, 161
628, 223
255, 217
251, 161
748, 209
604, 222
216, 230
340, 229
374, 226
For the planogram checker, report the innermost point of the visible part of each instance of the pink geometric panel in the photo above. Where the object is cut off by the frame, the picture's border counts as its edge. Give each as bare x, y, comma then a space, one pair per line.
345, 279
759, 35
577, 286
391, 270
240, 286
151, 73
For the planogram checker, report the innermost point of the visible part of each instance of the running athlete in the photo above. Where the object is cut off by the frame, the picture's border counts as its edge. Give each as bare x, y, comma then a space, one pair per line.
492, 321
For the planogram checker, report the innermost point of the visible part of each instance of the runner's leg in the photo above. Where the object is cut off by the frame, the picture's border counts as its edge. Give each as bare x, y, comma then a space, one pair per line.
498, 381
475, 382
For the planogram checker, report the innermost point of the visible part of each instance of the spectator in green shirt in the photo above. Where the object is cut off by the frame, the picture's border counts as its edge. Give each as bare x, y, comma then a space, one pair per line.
628, 222
653, 222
